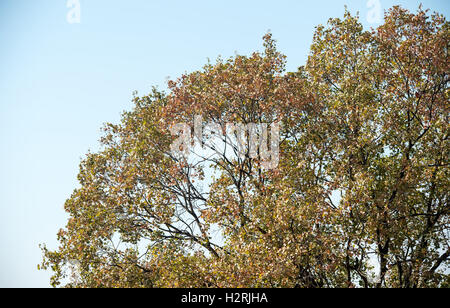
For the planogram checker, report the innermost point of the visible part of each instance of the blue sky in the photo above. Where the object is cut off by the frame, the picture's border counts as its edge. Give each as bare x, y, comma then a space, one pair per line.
59, 82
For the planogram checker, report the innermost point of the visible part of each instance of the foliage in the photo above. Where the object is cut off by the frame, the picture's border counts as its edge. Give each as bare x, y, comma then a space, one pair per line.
359, 199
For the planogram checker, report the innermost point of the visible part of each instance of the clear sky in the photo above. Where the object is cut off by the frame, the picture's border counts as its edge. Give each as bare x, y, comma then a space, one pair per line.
60, 81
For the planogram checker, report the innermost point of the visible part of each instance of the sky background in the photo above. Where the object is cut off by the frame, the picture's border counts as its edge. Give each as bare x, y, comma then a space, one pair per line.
59, 82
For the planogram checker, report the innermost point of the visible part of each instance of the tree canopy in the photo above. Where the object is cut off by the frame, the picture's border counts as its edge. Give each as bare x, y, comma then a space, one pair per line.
359, 197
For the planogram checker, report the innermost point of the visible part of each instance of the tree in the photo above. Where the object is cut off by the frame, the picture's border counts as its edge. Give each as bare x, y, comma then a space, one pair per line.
359, 197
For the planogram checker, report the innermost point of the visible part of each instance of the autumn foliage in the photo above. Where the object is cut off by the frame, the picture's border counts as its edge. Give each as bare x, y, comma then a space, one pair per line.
359, 198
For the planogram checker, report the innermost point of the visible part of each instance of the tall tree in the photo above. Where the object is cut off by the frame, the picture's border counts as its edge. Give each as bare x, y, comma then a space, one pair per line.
359, 196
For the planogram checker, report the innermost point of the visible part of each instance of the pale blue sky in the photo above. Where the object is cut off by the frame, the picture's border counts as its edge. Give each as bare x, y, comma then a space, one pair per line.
59, 82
